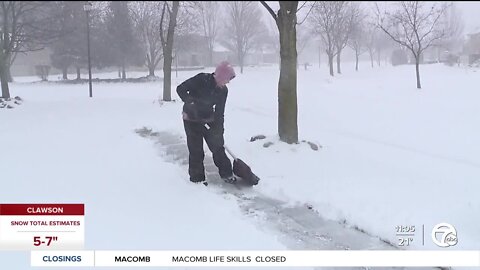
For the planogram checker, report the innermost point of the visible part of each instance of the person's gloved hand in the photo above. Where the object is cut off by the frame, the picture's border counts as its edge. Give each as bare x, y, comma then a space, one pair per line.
189, 100
190, 108
216, 126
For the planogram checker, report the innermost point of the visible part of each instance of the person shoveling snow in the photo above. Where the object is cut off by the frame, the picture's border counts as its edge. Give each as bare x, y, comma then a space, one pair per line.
204, 97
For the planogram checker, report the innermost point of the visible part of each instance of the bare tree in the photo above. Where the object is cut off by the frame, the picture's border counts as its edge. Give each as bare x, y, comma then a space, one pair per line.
304, 32
414, 25
382, 43
304, 36
324, 19
188, 31
371, 34
346, 14
358, 37
376, 42
24, 26
146, 17
243, 29
208, 13
286, 20
170, 12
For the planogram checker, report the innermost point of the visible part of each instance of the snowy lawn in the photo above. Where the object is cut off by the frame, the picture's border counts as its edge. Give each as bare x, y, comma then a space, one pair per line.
64, 147
391, 155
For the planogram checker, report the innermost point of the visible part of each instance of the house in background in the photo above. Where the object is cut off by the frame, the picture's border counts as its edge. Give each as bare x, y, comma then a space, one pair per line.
24, 64
221, 53
192, 52
255, 57
472, 47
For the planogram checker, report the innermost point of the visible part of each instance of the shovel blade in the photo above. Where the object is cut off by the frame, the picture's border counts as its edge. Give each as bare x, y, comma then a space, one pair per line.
240, 168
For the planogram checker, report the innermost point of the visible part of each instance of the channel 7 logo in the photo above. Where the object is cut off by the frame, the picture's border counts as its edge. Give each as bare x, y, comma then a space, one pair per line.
444, 235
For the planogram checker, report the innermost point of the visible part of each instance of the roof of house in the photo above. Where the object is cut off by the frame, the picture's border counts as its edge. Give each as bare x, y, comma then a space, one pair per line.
217, 47
475, 32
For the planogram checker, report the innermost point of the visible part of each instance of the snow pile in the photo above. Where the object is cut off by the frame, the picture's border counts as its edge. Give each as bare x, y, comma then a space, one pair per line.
274, 139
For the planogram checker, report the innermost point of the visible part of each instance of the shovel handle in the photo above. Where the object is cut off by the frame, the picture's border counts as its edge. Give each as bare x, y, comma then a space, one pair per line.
230, 152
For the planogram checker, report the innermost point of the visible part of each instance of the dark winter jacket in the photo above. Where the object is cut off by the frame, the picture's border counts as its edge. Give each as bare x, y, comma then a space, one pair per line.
204, 100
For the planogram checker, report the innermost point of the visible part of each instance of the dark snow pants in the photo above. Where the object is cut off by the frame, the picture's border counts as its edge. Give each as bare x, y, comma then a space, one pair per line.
196, 132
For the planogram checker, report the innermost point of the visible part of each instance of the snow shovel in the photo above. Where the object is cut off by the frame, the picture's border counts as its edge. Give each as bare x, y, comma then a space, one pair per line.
242, 170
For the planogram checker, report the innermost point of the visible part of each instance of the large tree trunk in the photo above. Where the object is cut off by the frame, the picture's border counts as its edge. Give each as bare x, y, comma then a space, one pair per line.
176, 66
319, 59
152, 62
210, 57
356, 60
240, 61
167, 54
417, 71
124, 73
379, 54
167, 75
8, 65
65, 73
330, 64
151, 71
370, 52
241, 58
287, 84
339, 71
9, 74
4, 81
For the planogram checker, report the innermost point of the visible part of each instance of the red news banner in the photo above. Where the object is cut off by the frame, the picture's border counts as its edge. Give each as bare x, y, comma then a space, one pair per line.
42, 226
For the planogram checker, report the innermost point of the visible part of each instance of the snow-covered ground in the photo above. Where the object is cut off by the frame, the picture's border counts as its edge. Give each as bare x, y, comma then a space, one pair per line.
391, 155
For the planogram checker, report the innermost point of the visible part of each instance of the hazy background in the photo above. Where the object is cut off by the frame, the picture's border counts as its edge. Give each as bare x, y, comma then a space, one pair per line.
470, 14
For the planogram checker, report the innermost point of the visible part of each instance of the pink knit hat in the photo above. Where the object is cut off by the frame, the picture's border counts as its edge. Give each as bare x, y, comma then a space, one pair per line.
224, 73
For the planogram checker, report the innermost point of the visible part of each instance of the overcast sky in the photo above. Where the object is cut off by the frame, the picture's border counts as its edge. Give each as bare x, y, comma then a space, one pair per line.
470, 14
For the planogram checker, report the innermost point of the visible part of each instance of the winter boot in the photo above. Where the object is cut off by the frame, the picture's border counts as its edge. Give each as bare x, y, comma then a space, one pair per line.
230, 179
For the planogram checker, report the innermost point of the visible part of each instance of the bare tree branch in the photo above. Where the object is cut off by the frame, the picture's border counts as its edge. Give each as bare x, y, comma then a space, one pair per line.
304, 3
308, 13
244, 28
420, 27
162, 30
270, 10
